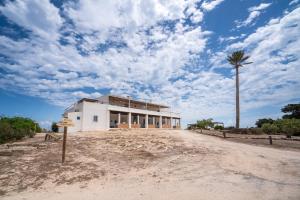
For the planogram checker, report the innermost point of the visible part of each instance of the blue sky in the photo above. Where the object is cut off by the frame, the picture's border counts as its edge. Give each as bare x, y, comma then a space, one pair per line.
53, 53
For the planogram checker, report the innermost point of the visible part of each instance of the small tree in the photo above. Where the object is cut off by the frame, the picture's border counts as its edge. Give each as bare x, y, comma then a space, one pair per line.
205, 123
293, 109
260, 122
54, 127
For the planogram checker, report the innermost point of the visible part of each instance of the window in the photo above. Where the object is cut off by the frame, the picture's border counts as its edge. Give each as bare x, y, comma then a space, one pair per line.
78, 118
95, 118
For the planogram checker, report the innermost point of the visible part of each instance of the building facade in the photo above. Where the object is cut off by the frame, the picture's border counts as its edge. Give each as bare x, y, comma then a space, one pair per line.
109, 112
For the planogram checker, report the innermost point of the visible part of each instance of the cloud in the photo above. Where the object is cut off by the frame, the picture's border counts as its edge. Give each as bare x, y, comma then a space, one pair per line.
294, 2
91, 15
45, 124
231, 38
261, 6
149, 54
255, 12
275, 53
88, 60
210, 5
39, 16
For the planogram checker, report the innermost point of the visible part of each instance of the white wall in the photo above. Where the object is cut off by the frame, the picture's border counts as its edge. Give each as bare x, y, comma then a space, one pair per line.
87, 111
91, 109
77, 123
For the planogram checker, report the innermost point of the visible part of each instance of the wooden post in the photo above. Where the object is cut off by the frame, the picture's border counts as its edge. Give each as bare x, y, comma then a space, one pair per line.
270, 140
224, 134
64, 144
64, 123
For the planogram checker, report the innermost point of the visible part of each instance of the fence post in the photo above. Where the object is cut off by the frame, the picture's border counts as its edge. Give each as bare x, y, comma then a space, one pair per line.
64, 144
224, 134
270, 140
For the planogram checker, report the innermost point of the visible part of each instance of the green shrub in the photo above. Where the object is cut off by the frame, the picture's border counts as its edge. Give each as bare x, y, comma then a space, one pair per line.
16, 128
270, 128
205, 123
289, 127
218, 127
262, 121
6, 132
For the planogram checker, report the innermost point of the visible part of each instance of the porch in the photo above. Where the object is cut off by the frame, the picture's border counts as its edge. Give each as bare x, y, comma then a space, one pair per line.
127, 120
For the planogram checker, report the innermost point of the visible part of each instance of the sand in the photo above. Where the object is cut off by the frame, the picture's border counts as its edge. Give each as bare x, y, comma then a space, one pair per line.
157, 164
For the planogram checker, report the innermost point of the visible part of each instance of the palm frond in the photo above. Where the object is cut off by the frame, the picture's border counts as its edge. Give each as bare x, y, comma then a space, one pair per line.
238, 58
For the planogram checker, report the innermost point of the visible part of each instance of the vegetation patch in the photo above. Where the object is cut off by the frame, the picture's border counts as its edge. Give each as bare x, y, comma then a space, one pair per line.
16, 128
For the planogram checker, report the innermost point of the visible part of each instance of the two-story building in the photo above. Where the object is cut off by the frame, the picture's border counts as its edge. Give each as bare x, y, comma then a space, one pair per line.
109, 112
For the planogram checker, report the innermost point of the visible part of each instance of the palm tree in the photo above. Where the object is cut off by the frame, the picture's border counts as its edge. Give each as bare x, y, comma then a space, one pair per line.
237, 59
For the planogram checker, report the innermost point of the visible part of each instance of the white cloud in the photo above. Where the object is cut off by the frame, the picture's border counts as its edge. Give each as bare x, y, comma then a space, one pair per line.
261, 6
154, 61
255, 12
99, 15
293, 2
210, 5
39, 16
60, 74
275, 53
45, 124
197, 16
231, 38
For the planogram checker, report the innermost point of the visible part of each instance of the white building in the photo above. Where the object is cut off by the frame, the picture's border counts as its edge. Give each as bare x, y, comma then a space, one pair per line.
108, 112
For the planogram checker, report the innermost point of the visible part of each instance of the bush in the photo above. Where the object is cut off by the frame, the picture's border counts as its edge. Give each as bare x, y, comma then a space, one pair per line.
205, 123
270, 128
16, 128
218, 127
260, 122
6, 132
289, 127
54, 127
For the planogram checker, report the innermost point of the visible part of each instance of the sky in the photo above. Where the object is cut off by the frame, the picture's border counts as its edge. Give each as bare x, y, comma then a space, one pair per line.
52, 53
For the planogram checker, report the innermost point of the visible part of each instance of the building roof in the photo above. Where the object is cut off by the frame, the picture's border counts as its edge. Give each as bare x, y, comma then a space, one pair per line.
87, 99
139, 101
124, 98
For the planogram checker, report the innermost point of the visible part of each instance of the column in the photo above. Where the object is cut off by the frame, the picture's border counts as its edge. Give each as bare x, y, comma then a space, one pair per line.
146, 125
171, 122
119, 119
129, 120
160, 121
153, 121
138, 119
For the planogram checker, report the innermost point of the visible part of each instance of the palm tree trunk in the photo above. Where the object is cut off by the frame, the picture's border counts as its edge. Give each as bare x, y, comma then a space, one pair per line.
237, 98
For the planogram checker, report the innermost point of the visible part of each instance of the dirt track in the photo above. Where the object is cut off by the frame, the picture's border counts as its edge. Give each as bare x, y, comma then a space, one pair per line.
164, 164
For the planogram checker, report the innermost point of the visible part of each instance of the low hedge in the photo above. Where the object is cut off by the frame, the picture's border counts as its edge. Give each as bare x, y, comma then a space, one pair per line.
16, 128
289, 127
218, 127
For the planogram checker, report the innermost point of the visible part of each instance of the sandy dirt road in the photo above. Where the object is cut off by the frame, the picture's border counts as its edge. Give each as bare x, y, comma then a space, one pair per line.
165, 164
